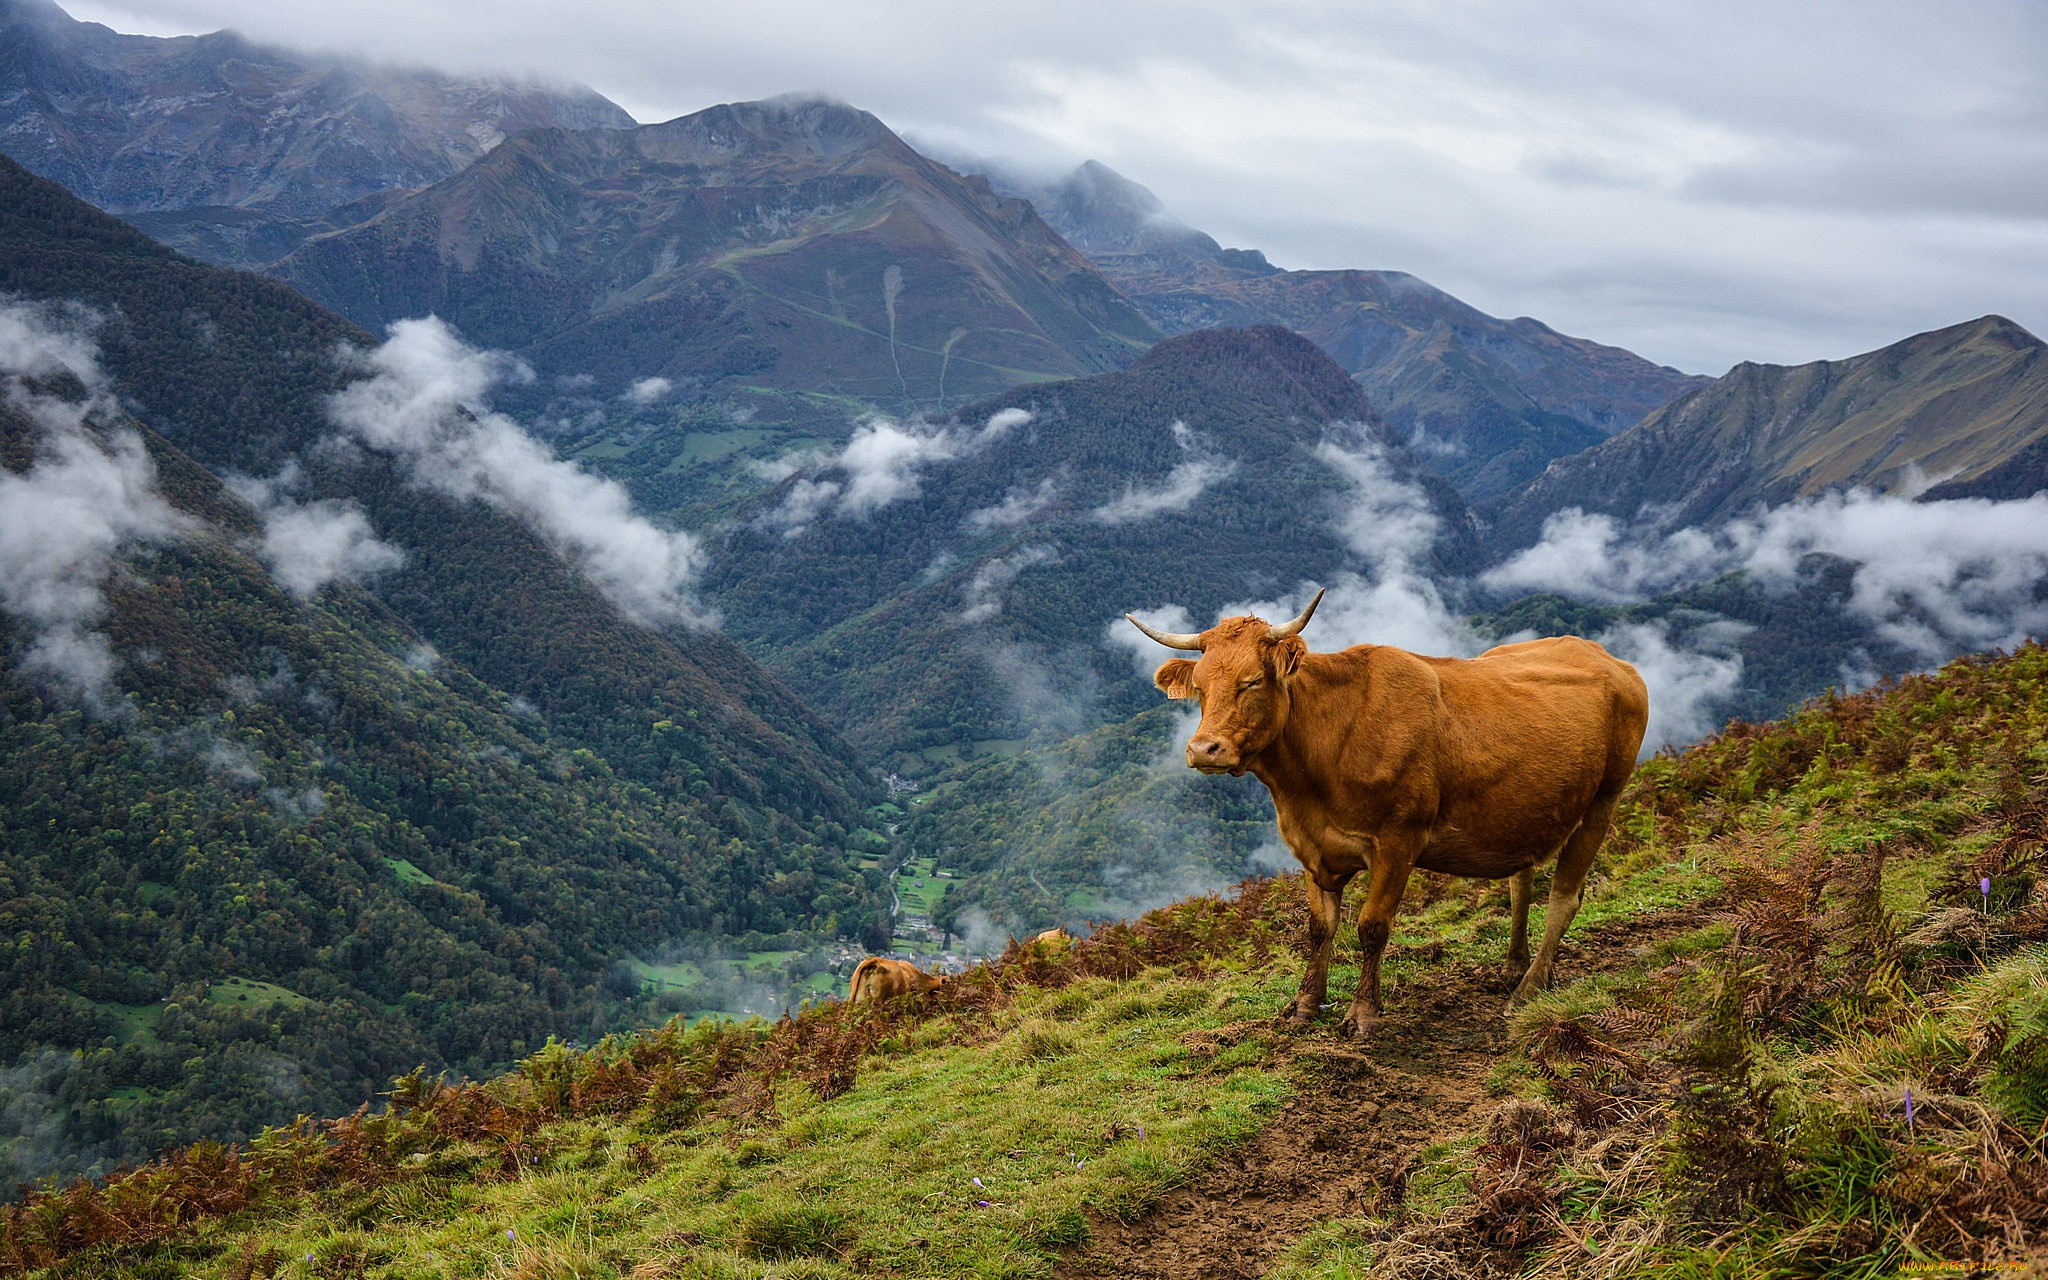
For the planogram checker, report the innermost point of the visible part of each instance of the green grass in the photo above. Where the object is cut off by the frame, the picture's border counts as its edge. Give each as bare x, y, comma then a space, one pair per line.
136, 1022
710, 446
921, 899
682, 975
406, 872
1772, 1023
254, 994
881, 1179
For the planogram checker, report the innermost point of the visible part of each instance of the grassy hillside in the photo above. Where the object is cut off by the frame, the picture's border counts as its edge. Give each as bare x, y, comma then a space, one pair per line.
1785, 937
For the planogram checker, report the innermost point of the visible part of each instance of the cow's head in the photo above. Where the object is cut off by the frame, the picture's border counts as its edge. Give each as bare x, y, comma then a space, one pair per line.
1241, 679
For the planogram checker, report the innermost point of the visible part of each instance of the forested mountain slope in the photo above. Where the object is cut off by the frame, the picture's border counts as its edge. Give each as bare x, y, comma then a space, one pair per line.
341, 826
933, 583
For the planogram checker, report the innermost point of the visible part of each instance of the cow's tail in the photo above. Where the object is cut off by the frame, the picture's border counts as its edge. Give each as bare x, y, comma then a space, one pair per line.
858, 991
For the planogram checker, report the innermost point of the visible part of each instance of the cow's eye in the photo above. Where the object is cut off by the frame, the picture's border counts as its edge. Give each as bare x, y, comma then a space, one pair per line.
1252, 683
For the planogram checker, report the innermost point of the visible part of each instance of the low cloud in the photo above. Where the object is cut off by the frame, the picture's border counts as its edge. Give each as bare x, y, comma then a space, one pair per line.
310, 544
1935, 578
984, 593
1688, 682
422, 399
89, 496
883, 463
647, 390
1145, 652
1386, 520
1018, 506
1389, 525
1185, 483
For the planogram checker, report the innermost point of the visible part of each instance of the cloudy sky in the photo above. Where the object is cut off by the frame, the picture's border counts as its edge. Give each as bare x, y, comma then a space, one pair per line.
1700, 182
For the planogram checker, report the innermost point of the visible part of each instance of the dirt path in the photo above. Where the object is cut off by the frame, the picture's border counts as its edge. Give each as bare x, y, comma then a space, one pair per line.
1343, 1146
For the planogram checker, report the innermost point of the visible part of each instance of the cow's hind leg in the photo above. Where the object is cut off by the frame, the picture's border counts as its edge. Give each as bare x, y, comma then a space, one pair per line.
1567, 890
1324, 905
1521, 888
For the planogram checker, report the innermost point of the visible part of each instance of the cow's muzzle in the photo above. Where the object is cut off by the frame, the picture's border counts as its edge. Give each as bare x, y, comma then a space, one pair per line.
1213, 755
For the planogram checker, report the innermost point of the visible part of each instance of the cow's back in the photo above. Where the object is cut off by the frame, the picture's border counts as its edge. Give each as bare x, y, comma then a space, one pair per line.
1529, 734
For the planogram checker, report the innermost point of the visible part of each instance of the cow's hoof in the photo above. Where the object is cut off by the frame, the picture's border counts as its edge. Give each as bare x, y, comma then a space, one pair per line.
1360, 1028
1293, 1018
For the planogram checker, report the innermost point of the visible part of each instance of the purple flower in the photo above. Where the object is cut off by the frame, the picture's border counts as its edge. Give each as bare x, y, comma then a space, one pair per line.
511, 1234
981, 1204
977, 1182
1984, 887
1909, 1106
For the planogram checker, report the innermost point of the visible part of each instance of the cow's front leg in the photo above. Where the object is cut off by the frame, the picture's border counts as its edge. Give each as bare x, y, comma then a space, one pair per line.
1324, 904
1396, 858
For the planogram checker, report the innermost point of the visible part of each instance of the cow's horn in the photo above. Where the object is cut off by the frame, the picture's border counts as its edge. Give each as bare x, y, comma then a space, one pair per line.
1171, 639
1287, 629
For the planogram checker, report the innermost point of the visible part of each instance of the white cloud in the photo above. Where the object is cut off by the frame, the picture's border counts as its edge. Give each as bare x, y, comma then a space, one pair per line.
310, 544
1185, 483
883, 463
422, 399
1935, 578
984, 593
1145, 653
1687, 683
88, 496
648, 390
1388, 520
1018, 506
40, 340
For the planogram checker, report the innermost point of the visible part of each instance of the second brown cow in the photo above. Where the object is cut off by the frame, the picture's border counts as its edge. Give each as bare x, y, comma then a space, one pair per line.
878, 978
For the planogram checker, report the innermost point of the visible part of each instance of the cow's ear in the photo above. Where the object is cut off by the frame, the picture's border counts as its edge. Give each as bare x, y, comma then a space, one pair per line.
1176, 678
1288, 654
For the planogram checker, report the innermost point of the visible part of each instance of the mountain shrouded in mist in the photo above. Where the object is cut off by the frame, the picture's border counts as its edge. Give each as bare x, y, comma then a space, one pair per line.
1946, 412
919, 581
794, 249
1485, 402
230, 149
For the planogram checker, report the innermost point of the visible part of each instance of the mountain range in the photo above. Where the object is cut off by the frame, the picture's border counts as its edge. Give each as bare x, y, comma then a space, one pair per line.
230, 149
811, 261
1484, 402
794, 250
1956, 411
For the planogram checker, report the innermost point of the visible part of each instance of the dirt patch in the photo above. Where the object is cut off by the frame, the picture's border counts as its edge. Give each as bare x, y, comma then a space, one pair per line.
1345, 1145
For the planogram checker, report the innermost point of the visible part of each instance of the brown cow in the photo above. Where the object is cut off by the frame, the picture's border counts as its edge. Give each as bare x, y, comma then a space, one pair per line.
1383, 761
877, 979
